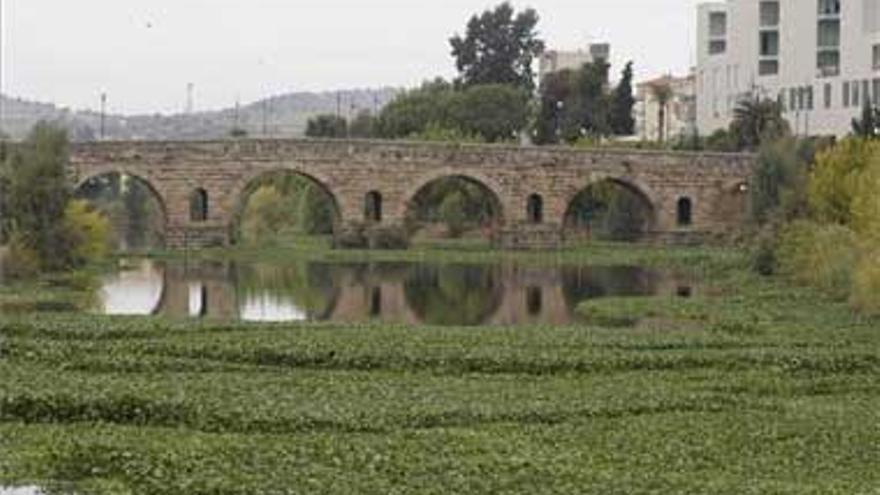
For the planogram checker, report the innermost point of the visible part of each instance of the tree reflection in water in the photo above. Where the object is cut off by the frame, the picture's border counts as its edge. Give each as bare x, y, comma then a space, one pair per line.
454, 294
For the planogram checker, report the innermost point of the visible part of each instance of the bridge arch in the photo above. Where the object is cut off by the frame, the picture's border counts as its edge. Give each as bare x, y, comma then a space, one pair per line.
158, 229
245, 187
145, 180
637, 194
489, 188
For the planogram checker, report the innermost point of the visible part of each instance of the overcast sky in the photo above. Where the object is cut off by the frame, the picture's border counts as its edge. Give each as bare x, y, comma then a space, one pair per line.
144, 52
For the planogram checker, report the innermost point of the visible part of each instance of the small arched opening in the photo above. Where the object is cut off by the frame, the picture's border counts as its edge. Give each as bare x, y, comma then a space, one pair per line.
375, 302
198, 206
685, 212
373, 207
535, 209
534, 301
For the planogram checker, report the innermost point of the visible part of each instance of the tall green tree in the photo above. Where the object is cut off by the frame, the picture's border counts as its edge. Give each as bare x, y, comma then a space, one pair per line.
38, 193
362, 126
495, 112
327, 126
498, 47
622, 103
412, 112
592, 102
573, 103
491, 112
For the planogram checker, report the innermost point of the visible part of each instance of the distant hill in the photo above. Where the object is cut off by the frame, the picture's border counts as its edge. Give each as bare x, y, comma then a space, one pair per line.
277, 116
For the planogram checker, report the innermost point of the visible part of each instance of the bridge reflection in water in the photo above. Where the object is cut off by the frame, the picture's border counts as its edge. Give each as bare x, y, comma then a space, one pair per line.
394, 293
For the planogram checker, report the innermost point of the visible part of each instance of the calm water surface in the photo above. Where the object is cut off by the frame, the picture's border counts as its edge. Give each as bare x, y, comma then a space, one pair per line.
403, 293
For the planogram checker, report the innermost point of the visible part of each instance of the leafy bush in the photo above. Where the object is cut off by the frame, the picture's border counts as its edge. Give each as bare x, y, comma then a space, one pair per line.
20, 261
89, 232
763, 257
865, 296
836, 178
779, 180
264, 215
821, 256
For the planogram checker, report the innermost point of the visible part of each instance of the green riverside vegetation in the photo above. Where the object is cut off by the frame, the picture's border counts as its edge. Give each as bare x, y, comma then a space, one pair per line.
750, 386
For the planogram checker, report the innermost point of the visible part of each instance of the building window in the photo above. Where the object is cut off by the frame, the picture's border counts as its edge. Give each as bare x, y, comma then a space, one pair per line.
768, 67
828, 38
829, 89
792, 99
373, 207
876, 93
828, 63
770, 13
875, 57
809, 96
829, 34
829, 7
866, 92
535, 209
717, 47
780, 100
854, 97
845, 94
198, 206
717, 24
717, 33
685, 212
769, 43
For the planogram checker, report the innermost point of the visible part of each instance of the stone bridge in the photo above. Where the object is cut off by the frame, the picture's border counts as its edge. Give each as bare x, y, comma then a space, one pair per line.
692, 195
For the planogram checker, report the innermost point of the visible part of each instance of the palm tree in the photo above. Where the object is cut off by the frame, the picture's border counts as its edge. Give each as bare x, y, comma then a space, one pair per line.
756, 120
662, 93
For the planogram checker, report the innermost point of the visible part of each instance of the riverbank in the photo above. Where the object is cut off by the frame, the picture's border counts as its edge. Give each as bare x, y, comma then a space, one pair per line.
758, 387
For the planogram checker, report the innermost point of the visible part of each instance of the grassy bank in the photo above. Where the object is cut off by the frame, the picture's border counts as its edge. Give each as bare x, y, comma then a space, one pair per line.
754, 387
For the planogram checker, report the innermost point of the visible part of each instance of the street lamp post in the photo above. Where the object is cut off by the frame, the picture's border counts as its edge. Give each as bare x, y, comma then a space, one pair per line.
103, 113
559, 107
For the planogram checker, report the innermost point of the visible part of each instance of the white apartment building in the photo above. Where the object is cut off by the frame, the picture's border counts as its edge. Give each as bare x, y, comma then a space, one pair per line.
556, 60
819, 58
679, 115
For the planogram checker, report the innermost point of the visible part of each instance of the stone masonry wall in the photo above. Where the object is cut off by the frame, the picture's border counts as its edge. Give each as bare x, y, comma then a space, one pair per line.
349, 170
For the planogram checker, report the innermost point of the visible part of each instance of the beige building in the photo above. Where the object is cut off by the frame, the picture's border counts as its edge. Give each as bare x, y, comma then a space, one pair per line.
680, 114
556, 60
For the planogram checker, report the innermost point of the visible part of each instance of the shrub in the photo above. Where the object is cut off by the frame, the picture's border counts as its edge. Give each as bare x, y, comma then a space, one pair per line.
88, 231
822, 256
779, 180
865, 206
865, 296
388, 238
763, 256
20, 260
836, 177
264, 215
452, 211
